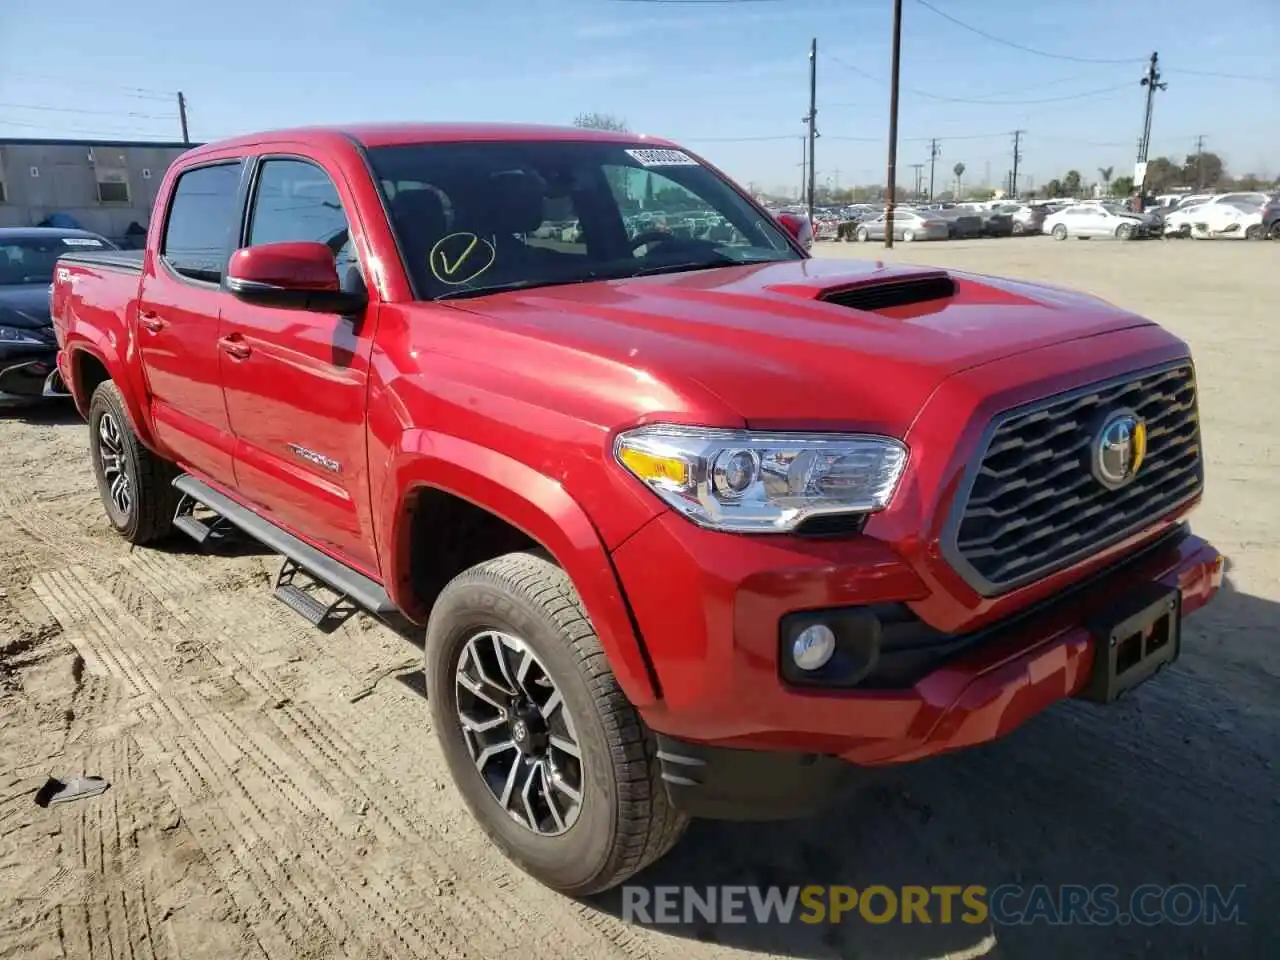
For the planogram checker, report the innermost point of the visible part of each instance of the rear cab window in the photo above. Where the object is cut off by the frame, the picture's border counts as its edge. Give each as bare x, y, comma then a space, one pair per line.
203, 215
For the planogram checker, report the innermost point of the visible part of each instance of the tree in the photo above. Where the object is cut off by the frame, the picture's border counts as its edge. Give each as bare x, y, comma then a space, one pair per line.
1072, 182
1162, 174
1105, 173
1203, 169
1054, 188
958, 170
1122, 186
601, 121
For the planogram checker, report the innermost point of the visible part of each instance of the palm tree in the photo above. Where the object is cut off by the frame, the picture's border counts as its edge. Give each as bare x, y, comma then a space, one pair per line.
958, 170
1105, 173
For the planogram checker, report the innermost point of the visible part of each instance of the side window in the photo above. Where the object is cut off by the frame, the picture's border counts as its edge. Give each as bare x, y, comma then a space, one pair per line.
202, 214
296, 200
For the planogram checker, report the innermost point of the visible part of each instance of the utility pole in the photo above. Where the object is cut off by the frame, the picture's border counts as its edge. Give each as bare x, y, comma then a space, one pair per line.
935, 151
1152, 82
891, 188
804, 167
1017, 155
919, 169
182, 115
813, 118
1200, 162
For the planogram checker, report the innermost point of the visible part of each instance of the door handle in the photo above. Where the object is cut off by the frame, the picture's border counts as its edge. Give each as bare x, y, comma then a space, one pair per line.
233, 345
151, 322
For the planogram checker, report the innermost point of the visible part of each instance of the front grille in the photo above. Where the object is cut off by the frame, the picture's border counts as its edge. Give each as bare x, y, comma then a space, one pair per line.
1033, 505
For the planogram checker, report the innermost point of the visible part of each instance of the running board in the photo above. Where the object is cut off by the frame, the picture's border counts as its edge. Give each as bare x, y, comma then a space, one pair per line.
350, 585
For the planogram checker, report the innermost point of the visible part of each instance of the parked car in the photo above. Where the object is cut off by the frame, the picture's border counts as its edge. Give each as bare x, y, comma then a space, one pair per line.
908, 225
1089, 220
995, 223
1270, 214
28, 348
1026, 218
690, 527
1179, 222
961, 224
1240, 220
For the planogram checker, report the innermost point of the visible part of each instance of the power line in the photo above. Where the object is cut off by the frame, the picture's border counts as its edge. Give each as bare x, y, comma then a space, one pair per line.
141, 93
1225, 76
100, 113
981, 103
1018, 46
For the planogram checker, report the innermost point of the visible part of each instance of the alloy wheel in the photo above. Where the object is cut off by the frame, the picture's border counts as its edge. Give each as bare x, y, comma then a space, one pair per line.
111, 457
519, 733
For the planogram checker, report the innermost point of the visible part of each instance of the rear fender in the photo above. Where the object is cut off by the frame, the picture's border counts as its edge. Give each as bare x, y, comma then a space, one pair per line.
71, 365
530, 502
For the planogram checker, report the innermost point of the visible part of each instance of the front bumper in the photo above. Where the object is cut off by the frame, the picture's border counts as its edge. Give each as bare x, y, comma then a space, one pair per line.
29, 372
715, 643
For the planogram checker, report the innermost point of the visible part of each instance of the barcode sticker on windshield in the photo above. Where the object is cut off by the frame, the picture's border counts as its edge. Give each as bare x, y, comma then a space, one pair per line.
81, 242
662, 158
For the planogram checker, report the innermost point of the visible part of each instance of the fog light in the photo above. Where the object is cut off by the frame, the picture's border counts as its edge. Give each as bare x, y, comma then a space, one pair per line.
813, 647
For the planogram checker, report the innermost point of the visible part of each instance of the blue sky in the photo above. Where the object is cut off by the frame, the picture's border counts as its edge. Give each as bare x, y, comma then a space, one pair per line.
714, 75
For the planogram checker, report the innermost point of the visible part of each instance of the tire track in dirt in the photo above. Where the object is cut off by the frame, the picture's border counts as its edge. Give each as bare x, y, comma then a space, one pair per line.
155, 589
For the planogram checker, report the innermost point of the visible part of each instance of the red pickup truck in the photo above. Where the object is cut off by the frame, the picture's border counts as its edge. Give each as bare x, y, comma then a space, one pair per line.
696, 523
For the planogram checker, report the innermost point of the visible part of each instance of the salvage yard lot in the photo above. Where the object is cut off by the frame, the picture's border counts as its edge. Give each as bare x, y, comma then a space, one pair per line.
278, 793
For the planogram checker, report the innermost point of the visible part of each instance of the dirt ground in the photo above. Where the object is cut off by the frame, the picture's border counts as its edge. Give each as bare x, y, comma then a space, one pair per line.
278, 793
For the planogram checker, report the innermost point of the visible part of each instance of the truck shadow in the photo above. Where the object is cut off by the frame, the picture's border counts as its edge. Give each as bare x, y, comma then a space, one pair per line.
57, 412
1174, 784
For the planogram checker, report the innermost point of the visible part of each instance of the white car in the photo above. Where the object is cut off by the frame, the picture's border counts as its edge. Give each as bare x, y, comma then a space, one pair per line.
1095, 219
1238, 220
1179, 223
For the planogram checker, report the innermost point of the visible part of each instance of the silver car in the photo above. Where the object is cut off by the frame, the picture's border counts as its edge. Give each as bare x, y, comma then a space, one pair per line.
908, 225
1096, 220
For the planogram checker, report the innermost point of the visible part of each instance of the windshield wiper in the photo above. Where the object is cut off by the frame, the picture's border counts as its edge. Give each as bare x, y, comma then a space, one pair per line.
702, 265
511, 285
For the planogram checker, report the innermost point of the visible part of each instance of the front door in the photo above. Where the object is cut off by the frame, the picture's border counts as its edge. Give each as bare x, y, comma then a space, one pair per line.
178, 308
295, 385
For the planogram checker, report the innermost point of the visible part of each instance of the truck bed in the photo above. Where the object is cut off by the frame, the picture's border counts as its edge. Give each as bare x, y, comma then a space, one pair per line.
130, 260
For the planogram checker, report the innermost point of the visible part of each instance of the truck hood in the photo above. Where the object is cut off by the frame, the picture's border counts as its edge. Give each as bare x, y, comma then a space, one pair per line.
773, 344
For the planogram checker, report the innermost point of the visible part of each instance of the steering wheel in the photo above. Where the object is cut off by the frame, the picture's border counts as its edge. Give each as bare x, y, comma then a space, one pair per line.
651, 236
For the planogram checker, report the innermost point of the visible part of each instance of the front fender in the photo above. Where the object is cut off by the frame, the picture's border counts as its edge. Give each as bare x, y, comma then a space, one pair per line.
531, 502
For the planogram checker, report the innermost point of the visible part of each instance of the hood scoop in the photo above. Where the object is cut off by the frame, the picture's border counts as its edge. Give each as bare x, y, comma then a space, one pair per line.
891, 292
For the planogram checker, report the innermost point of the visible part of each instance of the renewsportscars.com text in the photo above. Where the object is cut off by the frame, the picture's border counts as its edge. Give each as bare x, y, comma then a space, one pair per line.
1005, 905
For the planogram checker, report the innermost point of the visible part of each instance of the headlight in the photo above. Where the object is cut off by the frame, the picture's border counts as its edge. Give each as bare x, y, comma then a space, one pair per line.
17, 335
745, 482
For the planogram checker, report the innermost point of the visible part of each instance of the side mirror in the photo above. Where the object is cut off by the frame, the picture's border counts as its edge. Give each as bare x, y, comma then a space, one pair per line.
299, 275
799, 227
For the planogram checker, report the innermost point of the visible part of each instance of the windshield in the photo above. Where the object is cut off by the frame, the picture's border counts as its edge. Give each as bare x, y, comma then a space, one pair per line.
31, 259
484, 216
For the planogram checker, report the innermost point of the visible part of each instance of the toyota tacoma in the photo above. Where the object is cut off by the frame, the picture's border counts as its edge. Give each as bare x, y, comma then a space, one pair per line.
695, 525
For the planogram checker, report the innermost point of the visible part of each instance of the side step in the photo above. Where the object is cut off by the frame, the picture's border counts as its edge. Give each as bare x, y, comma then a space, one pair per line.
353, 588
326, 615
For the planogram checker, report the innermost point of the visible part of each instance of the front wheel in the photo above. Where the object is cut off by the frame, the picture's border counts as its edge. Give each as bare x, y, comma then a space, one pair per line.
908, 236
863, 234
1060, 232
1018, 229
1274, 233
549, 755
134, 483
1124, 231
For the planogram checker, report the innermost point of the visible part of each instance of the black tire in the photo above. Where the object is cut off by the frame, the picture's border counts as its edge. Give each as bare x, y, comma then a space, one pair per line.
1059, 231
625, 820
1124, 231
1274, 232
145, 513
1254, 232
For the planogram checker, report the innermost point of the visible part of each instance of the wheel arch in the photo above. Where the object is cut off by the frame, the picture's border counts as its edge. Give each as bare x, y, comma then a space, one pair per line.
438, 483
87, 367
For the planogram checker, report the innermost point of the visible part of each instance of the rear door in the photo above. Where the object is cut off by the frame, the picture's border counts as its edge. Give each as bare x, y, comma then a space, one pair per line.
295, 385
178, 306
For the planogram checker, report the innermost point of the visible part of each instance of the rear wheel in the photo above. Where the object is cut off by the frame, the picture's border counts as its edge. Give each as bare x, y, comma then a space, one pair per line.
863, 235
1254, 232
134, 483
1274, 233
1060, 231
1018, 228
549, 755
908, 236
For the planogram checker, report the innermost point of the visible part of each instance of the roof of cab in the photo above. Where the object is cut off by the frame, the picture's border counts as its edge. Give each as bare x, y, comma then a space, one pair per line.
395, 134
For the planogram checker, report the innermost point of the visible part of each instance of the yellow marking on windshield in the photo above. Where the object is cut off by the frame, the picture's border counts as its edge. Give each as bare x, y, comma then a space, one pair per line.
459, 258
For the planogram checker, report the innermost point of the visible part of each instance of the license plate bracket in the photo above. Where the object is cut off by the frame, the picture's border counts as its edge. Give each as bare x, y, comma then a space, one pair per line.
1133, 640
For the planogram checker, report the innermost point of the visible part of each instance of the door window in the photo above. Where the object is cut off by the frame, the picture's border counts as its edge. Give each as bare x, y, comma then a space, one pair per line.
197, 235
296, 200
